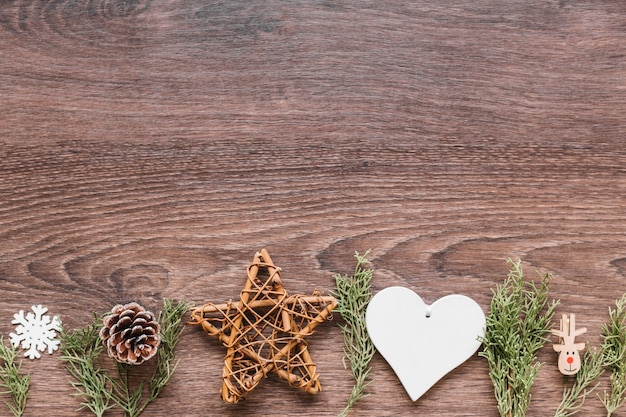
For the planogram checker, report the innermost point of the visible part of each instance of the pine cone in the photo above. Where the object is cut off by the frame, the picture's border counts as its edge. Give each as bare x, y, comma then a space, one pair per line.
130, 334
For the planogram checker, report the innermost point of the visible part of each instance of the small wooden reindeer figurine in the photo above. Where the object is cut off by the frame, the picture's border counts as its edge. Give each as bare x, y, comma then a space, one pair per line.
569, 358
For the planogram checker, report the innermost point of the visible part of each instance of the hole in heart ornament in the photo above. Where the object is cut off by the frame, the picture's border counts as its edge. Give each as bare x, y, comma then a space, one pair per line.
428, 341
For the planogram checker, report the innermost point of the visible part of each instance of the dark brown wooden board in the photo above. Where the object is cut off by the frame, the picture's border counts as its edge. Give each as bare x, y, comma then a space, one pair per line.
149, 149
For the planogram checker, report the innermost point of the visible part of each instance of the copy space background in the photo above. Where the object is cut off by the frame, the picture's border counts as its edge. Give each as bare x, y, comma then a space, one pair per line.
149, 149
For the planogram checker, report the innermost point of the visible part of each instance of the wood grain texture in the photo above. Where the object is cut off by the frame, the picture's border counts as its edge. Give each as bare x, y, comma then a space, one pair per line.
148, 149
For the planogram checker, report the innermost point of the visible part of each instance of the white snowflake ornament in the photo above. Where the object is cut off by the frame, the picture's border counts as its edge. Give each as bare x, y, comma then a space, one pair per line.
36, 332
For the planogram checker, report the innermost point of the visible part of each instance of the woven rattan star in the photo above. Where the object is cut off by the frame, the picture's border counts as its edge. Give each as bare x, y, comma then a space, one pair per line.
264, 331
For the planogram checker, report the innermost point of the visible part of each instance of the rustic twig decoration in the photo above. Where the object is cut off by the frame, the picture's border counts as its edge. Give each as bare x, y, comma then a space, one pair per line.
264, 331
569, 358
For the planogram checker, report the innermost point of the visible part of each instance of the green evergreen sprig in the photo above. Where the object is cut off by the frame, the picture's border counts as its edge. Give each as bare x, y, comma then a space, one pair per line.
10, 379
80, 350
614, 351
353, 294
82, 353
591, 368
518, 326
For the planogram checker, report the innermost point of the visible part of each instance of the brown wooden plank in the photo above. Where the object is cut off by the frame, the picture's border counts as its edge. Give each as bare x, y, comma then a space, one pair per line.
148, 150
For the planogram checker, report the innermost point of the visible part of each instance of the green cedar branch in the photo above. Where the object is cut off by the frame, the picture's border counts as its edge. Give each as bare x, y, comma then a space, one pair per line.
353, 294
614, 350
80, 350
518, 326
10, 379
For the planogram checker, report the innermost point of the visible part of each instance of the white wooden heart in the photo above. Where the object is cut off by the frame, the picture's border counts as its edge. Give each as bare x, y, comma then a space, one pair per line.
423, 343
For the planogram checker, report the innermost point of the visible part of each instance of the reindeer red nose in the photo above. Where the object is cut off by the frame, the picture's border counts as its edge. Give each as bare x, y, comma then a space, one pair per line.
570, 360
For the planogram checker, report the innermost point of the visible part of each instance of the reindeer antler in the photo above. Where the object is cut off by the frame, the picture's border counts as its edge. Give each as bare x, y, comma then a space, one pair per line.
567, 330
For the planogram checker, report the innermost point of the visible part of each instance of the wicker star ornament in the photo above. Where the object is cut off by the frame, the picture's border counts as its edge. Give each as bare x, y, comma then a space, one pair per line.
264, 331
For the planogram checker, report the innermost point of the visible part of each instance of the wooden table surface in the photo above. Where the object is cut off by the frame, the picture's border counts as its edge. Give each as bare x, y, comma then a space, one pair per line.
149, 149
